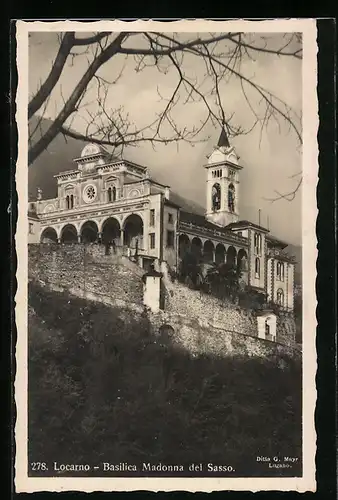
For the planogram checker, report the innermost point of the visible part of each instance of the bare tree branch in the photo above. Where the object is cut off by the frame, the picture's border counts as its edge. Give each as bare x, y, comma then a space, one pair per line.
70, 105
222, 56
54, 75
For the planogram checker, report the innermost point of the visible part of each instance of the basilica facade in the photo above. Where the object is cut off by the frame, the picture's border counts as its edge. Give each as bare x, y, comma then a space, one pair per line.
115, 202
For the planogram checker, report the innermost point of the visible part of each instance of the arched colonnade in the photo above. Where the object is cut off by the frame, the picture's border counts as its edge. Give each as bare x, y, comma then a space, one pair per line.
209, 251
128, 233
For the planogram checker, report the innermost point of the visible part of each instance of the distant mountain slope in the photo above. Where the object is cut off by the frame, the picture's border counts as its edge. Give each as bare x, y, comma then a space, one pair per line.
57, 158
296, 250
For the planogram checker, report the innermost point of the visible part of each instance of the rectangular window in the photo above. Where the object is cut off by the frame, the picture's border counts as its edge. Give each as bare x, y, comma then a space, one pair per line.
152, 217
30, 229
170, 218
170, 239
152, 240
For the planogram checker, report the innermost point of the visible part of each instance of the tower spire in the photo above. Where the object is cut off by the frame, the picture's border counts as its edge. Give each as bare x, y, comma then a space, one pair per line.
223, 140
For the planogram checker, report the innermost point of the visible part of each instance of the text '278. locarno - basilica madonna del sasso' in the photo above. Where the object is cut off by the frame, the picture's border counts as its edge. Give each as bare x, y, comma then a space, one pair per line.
115, 201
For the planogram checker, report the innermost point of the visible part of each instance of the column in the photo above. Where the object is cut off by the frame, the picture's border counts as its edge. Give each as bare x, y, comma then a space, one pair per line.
79, 238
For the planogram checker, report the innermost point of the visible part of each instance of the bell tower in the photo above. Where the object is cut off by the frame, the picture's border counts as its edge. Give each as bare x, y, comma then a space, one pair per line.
222, 189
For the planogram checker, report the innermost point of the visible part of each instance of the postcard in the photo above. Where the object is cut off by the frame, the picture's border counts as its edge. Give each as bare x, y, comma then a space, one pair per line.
166, 249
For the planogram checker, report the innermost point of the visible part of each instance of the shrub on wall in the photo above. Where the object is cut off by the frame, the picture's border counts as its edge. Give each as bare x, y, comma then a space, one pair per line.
251, 299
223, 281
190, 271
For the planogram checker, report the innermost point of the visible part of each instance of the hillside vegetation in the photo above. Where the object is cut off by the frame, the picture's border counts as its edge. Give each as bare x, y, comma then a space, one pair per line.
103, 388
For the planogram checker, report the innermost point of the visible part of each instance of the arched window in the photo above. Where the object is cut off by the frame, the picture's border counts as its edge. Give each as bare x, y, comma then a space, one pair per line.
216, 197
111, 193
67, 202
280, 271
231, 197
71, 201
280, 297
257, 267
258, 243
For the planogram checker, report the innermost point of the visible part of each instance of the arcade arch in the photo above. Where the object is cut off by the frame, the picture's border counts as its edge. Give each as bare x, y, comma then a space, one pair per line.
220, 253
68, 234
111, 231
231, 256
133, 231
196, 247
183, 245
49, 235
89, 232
208, 251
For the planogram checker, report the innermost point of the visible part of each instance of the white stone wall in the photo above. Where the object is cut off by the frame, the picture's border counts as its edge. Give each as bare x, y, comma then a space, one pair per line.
151, 297
33, 230
269, 319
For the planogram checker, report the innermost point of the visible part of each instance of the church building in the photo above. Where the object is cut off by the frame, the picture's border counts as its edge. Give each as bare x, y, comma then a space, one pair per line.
115, 202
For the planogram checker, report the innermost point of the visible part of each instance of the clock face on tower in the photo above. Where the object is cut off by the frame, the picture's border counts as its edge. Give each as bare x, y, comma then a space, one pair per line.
89, 193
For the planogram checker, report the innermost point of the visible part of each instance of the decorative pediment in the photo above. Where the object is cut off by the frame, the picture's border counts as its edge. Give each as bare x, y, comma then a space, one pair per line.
112, 180
223, 155
233, 158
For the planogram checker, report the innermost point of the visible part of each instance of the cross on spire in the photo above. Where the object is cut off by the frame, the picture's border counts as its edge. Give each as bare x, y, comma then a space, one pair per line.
223, 140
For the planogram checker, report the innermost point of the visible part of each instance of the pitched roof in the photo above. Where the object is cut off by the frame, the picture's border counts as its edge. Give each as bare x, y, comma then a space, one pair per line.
276, 242
186, 204
246, 223
200, 220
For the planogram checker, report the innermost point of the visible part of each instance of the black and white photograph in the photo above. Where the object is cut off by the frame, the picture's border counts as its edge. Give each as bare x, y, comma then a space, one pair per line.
166, 255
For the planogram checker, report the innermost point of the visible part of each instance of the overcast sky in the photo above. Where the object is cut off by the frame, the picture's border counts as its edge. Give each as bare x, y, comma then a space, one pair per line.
268, 165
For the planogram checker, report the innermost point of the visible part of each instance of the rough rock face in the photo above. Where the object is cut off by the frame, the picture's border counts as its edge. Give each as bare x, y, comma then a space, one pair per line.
211, 311
199, 323
86, 269
197, 338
